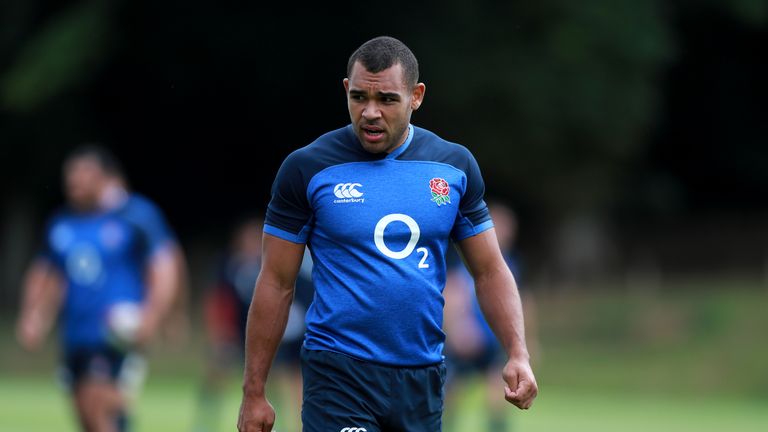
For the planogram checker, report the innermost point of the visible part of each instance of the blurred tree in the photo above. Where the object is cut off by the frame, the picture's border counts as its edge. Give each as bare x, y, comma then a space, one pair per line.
562, 102
555, 97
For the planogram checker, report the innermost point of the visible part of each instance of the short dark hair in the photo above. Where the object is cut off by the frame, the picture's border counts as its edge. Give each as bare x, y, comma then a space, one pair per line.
105, 158
384, 52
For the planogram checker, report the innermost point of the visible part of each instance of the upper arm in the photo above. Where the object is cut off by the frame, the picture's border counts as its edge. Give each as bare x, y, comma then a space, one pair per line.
43, 281
289, 212
481, 254
281, 260
473, 217
154, 228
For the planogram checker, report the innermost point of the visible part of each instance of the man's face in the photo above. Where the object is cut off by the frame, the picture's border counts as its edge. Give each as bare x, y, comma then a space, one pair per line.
380, 106
84, 180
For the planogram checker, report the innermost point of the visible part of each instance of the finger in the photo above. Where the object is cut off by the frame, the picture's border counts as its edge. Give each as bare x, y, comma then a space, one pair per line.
522, 390
520, 397
511, 397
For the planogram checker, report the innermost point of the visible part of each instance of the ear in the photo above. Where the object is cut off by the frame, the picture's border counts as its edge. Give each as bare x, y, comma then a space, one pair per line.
417, 96
346, 85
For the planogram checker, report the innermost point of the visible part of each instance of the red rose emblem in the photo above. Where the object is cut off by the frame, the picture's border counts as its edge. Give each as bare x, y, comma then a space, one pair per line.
439, 186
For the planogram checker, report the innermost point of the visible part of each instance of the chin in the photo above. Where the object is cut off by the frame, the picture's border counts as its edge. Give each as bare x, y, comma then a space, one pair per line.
370, 147
377, 148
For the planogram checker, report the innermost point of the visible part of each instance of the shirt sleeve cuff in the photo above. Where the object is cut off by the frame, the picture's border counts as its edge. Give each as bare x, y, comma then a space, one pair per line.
299, 238
473, 231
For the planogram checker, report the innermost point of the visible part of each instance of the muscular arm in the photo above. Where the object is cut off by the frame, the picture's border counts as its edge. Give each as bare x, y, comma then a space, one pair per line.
500, 301
267, 318
41, 298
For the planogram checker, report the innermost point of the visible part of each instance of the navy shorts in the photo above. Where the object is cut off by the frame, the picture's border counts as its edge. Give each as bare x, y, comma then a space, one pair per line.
95, 363
345, 394
289, 353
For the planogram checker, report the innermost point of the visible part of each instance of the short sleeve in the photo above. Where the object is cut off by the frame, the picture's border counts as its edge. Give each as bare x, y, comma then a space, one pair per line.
152, 224
289, 213
53, 232
473, 216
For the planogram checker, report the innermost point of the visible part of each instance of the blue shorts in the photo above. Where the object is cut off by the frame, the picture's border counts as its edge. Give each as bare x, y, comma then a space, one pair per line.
92, 363
345, 394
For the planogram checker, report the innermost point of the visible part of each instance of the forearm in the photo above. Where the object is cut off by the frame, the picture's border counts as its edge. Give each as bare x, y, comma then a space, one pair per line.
162, 287
267, 318
500, 301
42, 295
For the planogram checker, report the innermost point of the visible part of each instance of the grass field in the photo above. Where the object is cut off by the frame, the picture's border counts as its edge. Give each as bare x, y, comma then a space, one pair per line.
694, 358
36, 405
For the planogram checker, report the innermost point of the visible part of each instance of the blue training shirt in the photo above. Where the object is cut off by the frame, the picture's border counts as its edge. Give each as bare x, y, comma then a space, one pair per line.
378, 226
102, 256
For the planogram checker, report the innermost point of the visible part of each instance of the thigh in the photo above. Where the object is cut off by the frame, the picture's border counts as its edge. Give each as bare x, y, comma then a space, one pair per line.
340, 394
92, 365
420, 405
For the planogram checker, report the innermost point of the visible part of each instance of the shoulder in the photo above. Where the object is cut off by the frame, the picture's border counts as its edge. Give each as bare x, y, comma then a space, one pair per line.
61, 229
63, 217
140, 211
428, 146
139, 205
333, 148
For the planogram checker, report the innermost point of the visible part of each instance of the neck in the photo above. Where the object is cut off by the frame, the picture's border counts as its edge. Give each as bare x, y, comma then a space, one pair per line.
112, 196
402, 139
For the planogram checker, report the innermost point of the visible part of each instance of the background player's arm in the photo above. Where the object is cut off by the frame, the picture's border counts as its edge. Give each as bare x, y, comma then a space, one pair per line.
42, 293
163, 282
267, 318
500, 301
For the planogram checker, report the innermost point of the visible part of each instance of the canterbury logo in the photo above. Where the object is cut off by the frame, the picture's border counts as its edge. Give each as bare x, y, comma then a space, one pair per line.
347, 190
353, 429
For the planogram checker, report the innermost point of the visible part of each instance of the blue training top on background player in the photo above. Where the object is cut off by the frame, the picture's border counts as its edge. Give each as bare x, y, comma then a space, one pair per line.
102, 257
334, 180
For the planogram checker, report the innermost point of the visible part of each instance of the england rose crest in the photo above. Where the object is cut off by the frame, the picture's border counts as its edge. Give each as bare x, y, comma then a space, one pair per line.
440, 190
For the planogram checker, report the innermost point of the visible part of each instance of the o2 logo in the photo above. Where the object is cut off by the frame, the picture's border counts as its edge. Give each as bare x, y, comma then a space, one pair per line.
378, 238
84, 264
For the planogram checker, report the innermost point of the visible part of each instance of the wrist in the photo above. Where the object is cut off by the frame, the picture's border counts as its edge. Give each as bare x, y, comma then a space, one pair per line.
253, 391
520, 355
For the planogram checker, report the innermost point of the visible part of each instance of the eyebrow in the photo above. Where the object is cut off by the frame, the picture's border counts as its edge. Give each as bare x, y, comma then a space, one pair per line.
379, 94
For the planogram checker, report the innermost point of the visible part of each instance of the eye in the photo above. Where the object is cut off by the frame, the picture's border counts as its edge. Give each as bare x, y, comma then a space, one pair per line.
388, 100
356, 97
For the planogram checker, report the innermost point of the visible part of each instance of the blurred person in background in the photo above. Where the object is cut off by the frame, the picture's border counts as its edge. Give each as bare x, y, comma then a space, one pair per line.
109, 272
226, 313
471, 349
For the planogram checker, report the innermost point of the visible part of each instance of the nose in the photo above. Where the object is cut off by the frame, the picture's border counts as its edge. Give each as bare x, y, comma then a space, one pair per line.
371, 111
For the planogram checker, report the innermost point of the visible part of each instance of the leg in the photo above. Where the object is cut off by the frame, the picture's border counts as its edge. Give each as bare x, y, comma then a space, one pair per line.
92, 374
495, 402
99, 404
220, 363
417, 399
341, 393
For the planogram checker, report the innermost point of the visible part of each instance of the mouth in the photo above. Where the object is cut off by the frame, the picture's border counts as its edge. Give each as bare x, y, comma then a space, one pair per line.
372, 133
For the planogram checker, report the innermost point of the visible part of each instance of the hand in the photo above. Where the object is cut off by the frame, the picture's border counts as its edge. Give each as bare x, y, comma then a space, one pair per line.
147, 329
256, 415
30, 332
521, 388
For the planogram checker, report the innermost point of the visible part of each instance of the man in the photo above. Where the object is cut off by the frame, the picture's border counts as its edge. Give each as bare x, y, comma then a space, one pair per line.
376, 202
112, 267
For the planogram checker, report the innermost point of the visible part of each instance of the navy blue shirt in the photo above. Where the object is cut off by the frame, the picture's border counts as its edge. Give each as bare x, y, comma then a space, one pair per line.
377, 226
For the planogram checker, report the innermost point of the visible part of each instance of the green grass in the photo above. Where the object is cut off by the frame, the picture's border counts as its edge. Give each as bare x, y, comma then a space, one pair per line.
689, 358
32, 404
